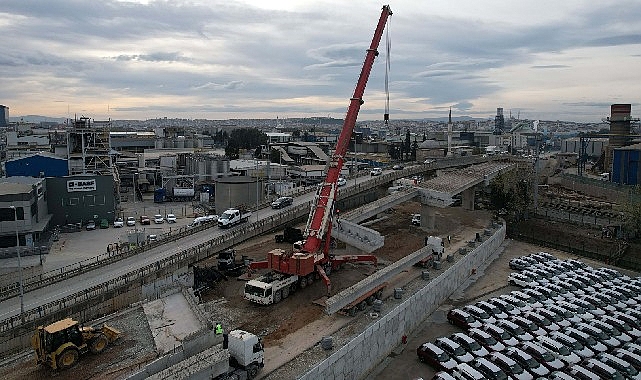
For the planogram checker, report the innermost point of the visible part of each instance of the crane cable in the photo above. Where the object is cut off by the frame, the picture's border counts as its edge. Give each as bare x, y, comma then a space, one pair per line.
388, 46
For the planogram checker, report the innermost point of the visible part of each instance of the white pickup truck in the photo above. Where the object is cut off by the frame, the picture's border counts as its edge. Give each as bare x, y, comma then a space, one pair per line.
233, 216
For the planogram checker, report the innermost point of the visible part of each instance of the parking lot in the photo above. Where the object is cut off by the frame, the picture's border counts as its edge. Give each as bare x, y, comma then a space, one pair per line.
490, 282
76, 246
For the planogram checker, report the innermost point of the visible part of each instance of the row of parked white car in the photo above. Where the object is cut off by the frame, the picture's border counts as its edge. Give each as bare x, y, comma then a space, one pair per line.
569, 321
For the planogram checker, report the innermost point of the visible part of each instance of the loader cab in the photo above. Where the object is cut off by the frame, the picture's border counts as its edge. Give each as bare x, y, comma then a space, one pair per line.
48, 340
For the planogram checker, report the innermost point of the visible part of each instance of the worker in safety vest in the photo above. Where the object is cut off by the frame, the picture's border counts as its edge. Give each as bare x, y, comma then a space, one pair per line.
219, 329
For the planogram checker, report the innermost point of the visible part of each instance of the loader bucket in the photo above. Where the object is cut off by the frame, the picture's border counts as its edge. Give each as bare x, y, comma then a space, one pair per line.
110, 332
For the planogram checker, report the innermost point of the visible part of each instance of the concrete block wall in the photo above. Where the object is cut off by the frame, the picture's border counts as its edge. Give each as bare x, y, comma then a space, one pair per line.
364, 352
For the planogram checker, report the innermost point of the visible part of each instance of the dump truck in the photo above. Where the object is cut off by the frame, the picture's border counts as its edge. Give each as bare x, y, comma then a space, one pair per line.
60, 344
228, 264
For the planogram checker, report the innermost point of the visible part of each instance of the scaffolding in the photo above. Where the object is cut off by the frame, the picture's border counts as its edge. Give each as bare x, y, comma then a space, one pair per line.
89, 147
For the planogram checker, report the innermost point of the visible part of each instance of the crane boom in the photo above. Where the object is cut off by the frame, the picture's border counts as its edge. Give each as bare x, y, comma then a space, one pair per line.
311, 260
320, 213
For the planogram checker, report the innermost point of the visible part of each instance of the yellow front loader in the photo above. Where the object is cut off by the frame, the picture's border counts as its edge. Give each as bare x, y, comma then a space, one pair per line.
59, 344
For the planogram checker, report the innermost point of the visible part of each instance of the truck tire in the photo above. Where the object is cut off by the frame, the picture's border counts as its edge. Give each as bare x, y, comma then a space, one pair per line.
252, 371
351, 311
285, 292
277, 296
98, 344
292, 288
67, 358
303, 282
310, 278
361, 305
370, 300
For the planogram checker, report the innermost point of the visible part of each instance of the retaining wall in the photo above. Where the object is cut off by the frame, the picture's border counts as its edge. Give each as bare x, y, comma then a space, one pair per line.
364, 352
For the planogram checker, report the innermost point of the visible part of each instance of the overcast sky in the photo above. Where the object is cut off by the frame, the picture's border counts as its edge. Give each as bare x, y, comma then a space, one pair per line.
542, 59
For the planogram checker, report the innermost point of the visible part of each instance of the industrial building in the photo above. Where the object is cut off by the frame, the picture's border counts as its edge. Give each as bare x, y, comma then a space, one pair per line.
237, 191
4, 116
79, 198
89, 147
37, 165
23, 212
626, 165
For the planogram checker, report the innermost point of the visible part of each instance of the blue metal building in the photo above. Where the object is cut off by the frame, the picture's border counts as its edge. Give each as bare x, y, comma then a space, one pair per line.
626, 166
37, 165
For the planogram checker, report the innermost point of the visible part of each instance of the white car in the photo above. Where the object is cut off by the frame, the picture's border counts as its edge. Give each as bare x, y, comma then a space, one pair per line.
118, 223
341, 181
521, 280
158, 219
170, 218
131, 221
376, 171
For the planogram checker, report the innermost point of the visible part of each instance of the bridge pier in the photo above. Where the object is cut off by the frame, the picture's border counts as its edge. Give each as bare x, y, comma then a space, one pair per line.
467, 199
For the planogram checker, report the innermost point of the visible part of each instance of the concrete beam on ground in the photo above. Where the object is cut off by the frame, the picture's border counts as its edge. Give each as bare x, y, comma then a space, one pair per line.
349, 295
361, 237
372, 209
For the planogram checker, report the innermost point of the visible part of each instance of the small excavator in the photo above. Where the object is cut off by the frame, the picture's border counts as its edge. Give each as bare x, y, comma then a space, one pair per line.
59, 344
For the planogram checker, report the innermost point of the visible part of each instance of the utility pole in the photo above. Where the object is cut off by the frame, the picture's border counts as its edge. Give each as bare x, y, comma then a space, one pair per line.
15, 214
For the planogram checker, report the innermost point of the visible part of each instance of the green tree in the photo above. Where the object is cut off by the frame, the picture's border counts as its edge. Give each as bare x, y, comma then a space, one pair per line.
247, 138
510, 194
632, 213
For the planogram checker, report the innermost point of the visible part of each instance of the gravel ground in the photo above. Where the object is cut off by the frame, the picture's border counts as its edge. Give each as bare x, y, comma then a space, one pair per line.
132, 350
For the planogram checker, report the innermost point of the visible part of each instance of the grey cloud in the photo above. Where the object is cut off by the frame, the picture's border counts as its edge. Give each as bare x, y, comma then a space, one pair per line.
550, 66
627, 39
154, 57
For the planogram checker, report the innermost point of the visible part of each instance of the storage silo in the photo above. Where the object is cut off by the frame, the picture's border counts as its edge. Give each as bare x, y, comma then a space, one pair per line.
619, 125
619, 131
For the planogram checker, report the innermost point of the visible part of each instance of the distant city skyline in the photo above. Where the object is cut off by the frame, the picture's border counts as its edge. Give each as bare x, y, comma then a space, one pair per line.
256, 59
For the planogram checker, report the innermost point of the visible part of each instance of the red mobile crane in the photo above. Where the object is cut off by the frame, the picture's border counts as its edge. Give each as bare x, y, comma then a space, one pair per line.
290, 270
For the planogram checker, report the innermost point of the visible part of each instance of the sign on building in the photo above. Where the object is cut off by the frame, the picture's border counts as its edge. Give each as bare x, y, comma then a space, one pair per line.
81, 185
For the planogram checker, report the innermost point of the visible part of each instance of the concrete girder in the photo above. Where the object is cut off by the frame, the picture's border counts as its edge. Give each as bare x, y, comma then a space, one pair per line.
374, 208
363, 238
345, 297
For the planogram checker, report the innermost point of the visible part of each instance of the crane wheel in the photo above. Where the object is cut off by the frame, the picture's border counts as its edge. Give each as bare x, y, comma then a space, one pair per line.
370, 300
310, 278
67, 359
277, 296
285, 291
98, 344
303, 282
252, 371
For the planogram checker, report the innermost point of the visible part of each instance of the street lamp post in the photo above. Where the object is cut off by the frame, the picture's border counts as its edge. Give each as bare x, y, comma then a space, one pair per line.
135, 188
257, 196
15, 214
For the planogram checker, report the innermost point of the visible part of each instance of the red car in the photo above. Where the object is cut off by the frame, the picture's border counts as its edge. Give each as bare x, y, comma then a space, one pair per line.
144, 219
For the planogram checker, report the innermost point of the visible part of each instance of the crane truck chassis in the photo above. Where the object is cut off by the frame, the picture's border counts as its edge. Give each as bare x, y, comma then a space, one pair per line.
310, 259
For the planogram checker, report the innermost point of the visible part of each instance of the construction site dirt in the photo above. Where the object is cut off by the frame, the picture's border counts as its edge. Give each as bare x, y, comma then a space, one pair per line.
293, 328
